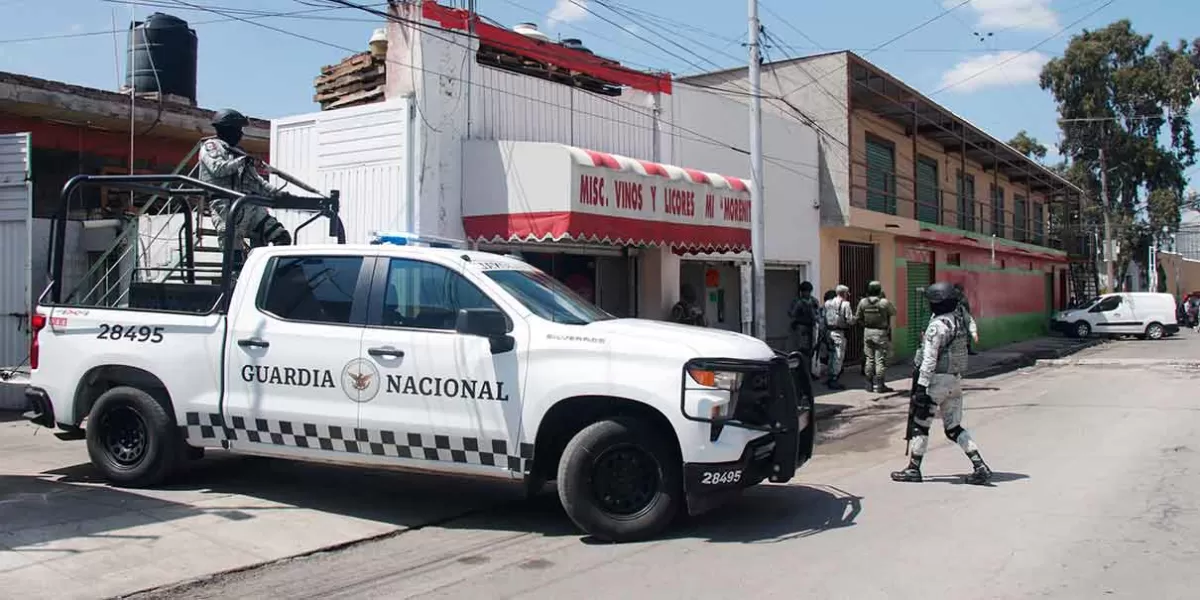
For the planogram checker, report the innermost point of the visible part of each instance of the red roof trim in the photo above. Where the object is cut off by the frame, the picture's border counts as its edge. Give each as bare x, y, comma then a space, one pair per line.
697, 176
619, 231
736, 183
600, 159
653, 168
555, 54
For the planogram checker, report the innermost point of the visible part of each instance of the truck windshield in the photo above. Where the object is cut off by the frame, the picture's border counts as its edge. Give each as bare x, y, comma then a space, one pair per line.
548, 298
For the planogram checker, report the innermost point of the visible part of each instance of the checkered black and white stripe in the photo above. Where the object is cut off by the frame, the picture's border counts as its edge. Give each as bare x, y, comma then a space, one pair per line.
444, 448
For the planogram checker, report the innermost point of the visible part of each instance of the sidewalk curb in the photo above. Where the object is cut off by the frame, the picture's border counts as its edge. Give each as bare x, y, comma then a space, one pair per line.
1050, 357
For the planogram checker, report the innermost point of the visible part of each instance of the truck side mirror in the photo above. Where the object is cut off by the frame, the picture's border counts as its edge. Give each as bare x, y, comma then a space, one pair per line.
486, 322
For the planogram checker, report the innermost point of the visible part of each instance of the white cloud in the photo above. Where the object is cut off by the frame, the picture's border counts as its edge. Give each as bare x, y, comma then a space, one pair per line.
992, 15
998, 69
567, 11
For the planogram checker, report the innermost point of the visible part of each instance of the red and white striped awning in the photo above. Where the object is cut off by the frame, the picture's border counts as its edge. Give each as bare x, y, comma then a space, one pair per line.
538, 192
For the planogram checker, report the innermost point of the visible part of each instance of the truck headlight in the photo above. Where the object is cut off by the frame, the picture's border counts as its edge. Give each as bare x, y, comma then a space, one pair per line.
717, 398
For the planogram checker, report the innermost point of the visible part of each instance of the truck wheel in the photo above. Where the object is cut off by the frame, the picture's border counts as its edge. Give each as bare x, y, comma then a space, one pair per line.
131, 439
619, 482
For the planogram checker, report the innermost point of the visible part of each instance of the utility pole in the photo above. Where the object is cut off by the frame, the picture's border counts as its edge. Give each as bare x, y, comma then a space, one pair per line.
757, 223
1108, 250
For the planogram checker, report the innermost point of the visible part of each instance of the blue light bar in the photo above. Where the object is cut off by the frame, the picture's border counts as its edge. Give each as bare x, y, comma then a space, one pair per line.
402, 238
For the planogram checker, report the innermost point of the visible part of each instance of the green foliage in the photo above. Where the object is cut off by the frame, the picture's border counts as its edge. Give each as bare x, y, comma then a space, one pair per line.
1115, 92
1027, 145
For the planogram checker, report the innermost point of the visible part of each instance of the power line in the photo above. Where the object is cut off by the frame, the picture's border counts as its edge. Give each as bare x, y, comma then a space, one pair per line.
1026, 51
890, 41
296, 14
701, 137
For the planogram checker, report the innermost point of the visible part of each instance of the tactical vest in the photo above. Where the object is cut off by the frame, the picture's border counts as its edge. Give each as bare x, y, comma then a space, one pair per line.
874, 315
952, 358
833, 314
803, 310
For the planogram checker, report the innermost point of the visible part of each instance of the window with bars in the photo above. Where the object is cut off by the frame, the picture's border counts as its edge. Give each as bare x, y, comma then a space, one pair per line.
1039, 224
929, 205
1020, 218
966, 202
881, 176
998, 212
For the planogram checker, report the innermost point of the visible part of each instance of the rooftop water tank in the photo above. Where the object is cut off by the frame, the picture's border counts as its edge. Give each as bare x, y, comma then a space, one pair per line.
575, 44
162, 57
531, 30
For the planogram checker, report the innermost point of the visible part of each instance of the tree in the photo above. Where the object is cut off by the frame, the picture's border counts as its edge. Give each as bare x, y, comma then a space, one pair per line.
1114, 93
1027, 145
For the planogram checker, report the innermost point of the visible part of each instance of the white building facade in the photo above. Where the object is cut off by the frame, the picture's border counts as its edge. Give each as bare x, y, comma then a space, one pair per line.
624, 191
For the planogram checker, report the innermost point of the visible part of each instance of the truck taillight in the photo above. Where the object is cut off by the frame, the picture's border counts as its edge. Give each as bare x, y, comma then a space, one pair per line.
37, 323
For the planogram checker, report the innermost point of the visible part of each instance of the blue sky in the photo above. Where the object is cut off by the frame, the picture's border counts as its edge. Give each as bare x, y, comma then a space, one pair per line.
268, 73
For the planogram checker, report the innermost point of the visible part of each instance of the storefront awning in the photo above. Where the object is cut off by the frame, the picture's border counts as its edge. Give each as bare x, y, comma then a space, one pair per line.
537, 192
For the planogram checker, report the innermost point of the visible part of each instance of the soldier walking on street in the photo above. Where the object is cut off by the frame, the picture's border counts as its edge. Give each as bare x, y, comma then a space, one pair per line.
224, 164
938, 370
839, 317
875, 312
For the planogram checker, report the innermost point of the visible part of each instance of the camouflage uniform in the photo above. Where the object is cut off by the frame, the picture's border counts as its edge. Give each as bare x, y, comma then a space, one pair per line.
875, 313
939, 365
220, 165
839, 317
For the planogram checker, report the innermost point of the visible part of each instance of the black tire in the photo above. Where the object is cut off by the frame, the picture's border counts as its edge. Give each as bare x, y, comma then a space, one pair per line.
132, 438
1155, 331
584, 473
1082, 329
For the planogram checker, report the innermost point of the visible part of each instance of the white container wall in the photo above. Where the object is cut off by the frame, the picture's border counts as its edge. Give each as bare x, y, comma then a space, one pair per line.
363, 152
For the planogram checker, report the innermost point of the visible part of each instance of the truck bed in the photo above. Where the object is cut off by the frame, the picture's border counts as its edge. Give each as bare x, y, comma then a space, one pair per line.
184, 297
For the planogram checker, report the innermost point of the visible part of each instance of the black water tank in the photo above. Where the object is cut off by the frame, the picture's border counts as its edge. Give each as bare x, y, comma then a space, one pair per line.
162, 57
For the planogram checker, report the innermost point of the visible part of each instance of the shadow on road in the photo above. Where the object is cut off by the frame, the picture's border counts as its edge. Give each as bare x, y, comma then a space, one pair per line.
35, 511
766, 513
382, 495
997, 477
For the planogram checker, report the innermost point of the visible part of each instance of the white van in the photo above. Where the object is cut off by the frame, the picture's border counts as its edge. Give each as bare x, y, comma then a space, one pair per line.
1144, 314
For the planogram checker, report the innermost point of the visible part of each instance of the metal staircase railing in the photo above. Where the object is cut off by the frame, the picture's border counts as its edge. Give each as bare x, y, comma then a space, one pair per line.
127, 243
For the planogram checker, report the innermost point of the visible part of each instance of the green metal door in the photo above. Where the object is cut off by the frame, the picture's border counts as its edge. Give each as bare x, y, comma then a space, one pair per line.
929, 205
920, 276
881, 173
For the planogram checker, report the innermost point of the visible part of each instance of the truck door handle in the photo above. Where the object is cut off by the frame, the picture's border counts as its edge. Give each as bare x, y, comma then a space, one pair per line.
387, 351
253, 343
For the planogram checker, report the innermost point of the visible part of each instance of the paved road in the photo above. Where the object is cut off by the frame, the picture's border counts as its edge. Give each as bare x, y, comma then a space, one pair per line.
1096, 495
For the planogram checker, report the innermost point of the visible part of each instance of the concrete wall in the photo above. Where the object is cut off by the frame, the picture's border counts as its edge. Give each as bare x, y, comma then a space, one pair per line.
1182, 273
813, 90
790, 180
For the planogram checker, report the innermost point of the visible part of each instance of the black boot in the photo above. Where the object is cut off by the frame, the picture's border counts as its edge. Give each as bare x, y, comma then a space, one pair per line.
833, 384
870, 385
982, 474
911, 473
881, 386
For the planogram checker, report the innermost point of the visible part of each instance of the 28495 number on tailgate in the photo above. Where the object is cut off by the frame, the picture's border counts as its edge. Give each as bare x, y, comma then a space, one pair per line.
133, 333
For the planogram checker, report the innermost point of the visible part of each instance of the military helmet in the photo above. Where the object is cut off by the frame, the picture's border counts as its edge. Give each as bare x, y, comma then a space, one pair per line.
228, 117
940, 292
874, 288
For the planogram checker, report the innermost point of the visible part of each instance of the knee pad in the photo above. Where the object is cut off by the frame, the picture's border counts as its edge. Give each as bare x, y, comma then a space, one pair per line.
923, 409
954, 432
918, 430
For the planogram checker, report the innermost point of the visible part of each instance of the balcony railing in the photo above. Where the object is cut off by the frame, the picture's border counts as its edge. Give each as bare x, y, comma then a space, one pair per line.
938, 206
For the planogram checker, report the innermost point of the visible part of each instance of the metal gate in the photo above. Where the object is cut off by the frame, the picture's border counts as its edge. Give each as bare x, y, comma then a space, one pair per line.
920, 276
15, 222
856, 268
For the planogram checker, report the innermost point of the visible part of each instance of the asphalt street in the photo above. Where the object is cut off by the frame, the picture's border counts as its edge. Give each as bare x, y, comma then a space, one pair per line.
1095, 495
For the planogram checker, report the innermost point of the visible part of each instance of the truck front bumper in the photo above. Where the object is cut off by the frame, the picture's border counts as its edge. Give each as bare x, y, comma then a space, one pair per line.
784, 413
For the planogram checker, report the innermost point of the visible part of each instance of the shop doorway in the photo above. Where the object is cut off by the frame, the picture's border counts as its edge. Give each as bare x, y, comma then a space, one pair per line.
856, 268
718, 289
783, 285
606, 281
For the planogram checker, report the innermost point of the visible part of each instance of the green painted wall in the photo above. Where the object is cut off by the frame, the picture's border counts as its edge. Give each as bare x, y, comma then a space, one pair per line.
993, 332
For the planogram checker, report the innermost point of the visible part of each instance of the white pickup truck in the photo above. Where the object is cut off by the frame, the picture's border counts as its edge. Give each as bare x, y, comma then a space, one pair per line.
434, 359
